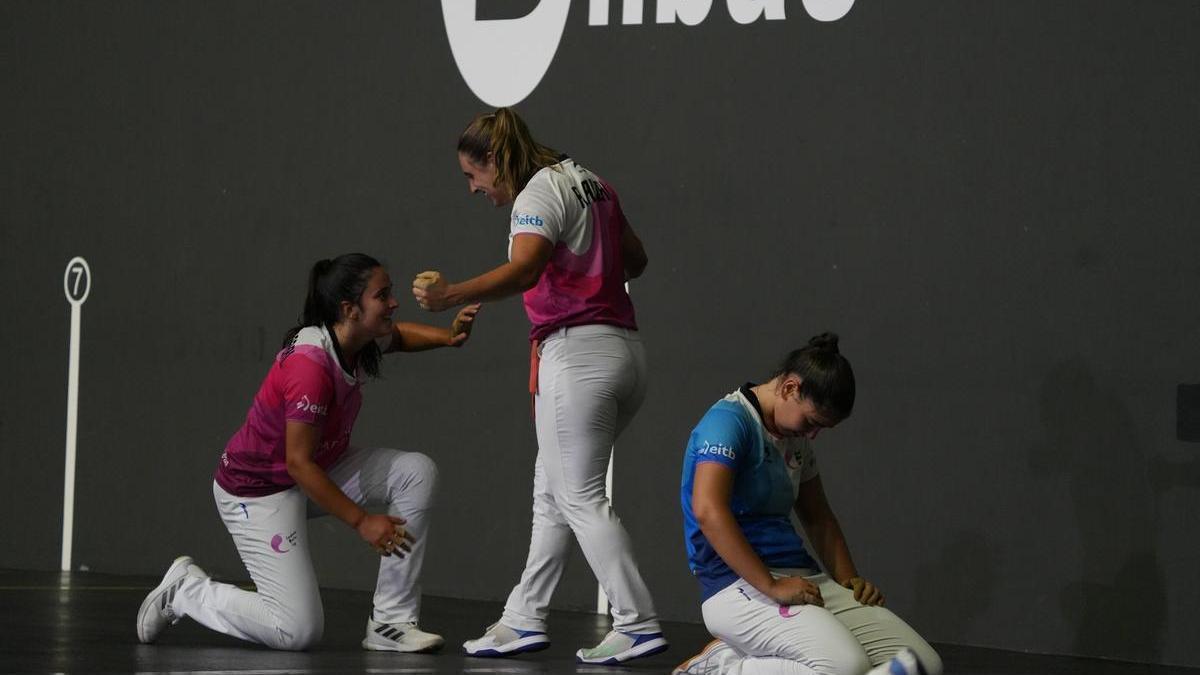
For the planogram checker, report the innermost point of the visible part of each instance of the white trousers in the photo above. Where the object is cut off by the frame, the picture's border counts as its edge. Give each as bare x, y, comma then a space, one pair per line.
271, 535
591, 382
841, 638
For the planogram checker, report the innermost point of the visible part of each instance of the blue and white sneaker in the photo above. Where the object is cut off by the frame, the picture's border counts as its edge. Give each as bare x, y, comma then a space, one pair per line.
903, 663
618, 647
500, 640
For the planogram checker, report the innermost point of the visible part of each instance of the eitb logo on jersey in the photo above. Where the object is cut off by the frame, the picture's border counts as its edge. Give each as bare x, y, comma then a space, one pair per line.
503, 60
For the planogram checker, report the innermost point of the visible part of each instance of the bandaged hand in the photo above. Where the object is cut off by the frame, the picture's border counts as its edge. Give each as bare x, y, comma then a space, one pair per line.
386, 534
790, 591
460, 330
429, 290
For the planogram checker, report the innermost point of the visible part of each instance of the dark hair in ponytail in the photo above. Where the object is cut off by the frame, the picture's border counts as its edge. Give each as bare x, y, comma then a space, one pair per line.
826, 377
330, 282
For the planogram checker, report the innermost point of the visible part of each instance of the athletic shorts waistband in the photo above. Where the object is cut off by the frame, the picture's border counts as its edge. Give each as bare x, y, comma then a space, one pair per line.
592, 329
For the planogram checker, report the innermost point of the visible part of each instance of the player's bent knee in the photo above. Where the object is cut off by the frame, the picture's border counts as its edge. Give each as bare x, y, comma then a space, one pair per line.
418, 466
597, 517
589, 501
849, 660
929, 658
299, 635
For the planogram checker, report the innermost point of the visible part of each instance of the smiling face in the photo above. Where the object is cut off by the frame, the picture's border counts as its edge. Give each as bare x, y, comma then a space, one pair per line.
797, 415
481, 179
373, 312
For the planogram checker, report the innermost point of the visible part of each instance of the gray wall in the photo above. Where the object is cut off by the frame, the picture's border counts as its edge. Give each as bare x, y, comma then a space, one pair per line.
995, 203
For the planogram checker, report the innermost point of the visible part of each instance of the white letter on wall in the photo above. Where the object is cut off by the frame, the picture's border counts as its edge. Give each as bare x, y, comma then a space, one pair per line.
690, 12
632, 13
748, 11
598, 13
828, 10
502, 60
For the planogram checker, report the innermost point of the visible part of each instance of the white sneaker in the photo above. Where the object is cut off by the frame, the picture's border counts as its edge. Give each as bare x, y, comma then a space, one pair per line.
156, 612
714, 659
903, 663
618, 647
399, 637
500, 640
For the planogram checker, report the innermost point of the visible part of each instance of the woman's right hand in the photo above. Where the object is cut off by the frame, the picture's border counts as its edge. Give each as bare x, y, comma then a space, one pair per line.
386, 534
429, 290
795, 591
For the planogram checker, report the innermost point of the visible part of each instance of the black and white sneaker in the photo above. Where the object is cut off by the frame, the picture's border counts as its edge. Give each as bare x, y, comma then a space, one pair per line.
399, 637
157, 612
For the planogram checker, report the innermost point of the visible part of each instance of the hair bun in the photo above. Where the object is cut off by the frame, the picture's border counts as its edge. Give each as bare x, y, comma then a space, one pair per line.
825, 342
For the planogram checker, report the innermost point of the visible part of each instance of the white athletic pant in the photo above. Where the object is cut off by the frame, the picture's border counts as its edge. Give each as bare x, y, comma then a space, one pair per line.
841, 638
271, 535
591, 382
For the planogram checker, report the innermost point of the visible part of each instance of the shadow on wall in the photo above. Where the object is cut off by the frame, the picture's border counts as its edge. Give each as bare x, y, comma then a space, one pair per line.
963, 578
1117, 600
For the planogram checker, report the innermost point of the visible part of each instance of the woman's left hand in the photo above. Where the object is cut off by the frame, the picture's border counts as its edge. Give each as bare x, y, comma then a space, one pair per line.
865, 592
460, 330
429, 289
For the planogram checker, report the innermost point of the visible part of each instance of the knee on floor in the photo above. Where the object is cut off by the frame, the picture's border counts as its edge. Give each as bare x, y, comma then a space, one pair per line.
297, 635
930, 659
848, 660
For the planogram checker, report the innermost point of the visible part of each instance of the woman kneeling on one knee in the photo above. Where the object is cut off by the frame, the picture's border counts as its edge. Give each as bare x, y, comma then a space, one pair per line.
292, 460
749, 462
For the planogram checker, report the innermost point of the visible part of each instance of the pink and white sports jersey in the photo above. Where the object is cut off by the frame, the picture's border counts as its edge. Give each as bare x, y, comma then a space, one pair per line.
305, 384
584, 282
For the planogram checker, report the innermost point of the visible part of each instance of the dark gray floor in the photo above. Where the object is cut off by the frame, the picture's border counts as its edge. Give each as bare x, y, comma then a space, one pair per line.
83, 623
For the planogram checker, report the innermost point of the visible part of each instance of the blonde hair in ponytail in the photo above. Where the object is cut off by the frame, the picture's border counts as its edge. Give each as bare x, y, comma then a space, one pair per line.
504, 134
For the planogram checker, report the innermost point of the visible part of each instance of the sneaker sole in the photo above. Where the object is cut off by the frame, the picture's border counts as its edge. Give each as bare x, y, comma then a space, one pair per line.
152, 597
533, 643
682, 668
648, 648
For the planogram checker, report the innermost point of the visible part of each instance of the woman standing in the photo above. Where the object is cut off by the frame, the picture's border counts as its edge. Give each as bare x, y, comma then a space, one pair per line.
292, 460
748, 464
570, 252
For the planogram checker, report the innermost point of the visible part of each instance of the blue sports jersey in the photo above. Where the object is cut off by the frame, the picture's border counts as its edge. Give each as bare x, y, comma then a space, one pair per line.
766, 471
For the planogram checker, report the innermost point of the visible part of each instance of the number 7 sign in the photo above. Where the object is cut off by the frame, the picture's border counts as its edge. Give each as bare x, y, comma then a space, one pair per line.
77, 283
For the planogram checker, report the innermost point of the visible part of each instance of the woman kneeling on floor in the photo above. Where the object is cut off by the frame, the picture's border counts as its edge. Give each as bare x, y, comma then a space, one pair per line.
748, 463
292, 460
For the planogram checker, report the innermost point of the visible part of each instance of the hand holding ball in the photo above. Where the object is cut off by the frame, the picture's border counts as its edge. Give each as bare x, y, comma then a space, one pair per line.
429, 289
